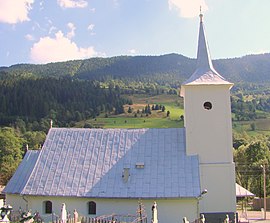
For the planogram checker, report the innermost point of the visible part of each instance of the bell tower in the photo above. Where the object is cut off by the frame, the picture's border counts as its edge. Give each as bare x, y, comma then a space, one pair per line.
209, 130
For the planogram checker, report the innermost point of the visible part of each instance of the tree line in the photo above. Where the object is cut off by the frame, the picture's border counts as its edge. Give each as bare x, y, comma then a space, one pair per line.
166, 69
28, 104
64, 100
250, 153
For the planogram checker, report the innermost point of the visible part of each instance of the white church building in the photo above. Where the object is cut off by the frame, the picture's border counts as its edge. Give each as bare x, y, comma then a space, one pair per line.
104, 171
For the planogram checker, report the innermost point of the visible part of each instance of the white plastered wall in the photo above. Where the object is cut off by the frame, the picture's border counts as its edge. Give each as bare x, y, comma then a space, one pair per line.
209, 134
219, 179
169, 210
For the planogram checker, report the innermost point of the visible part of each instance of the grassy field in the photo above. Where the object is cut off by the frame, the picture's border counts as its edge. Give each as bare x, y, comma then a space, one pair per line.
130, 122
254, 127
262, 126
159, 119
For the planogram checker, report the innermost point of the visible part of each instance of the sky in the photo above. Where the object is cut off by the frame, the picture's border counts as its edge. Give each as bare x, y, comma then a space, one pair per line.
39, 31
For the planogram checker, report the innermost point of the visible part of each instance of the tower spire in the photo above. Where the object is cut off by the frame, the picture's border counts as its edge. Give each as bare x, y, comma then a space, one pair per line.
205, 72
203, 53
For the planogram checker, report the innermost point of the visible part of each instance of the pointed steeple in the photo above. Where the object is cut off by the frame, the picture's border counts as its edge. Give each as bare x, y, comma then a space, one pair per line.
203, 54
205, 73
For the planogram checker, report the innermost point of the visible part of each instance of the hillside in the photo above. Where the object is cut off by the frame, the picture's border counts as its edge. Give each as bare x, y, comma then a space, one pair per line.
161, 69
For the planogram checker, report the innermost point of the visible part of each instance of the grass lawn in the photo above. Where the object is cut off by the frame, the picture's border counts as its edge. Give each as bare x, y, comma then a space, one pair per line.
131, 122
157, 119
262, 126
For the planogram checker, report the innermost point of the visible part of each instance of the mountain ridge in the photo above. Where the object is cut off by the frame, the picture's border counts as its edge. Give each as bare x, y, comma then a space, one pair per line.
249, 68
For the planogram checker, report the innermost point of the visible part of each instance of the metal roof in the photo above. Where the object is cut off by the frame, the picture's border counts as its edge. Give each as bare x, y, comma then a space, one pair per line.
23, 172
242, 192
109, 163
205, 73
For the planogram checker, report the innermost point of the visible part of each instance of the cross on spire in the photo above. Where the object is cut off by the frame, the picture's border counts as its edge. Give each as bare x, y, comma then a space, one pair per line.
201, 15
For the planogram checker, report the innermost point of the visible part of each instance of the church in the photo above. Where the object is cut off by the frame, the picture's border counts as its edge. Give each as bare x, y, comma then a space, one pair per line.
186, 171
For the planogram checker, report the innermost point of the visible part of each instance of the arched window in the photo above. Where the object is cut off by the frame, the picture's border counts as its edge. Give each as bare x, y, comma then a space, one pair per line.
47, 207
92, 207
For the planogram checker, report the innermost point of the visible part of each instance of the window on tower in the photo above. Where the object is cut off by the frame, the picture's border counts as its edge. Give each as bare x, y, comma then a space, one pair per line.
207, 105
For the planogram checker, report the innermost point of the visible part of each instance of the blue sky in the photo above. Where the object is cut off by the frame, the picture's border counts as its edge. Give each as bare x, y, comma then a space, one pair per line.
39, 31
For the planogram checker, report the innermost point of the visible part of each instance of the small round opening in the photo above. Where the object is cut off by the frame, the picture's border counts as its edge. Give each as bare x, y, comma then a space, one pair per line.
207, 105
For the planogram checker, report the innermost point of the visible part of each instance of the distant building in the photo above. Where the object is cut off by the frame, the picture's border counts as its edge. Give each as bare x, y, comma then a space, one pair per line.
104, 171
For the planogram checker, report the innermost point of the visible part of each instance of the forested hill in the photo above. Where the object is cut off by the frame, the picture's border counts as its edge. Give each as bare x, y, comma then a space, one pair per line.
102, 69
171, 67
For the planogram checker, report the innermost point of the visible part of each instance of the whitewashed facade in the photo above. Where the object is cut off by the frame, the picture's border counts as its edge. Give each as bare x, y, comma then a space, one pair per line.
169, 210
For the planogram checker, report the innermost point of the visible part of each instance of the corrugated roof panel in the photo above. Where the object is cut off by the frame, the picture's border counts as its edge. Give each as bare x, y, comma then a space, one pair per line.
22, 174
90, 163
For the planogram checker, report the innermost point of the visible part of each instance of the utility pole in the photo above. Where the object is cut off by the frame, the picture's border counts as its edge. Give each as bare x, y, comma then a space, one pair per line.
264, 190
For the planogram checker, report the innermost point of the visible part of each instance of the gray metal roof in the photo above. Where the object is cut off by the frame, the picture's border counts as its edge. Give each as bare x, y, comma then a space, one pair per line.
23, 172
242, 192
92, 163
205, 72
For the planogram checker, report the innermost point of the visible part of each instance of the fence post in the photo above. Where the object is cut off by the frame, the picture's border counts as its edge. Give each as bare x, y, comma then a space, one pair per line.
154, 213
202, 219
227, 219
185, 220
75, 215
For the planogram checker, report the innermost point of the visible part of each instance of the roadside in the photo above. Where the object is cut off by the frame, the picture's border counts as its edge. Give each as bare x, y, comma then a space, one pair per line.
254, 216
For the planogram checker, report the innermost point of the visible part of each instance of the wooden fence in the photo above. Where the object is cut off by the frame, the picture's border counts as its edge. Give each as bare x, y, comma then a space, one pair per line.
106, 219
16, 217
115, 219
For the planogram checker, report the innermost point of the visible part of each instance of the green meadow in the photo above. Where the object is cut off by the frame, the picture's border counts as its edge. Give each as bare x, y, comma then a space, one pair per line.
159, 119
131, 122
259, 126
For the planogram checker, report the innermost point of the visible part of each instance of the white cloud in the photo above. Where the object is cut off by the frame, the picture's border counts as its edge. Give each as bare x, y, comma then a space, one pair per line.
116, 3
41, 4
72, 28
14, 11
72, 3
91, 28
59, 48
258, 51
52, 29
188, 8
93, 10
132, 51
29, 37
